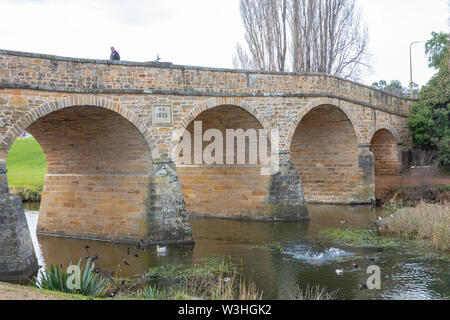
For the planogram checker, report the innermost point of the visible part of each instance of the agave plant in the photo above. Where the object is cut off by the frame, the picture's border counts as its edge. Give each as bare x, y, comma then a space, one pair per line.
153, 293
91, 283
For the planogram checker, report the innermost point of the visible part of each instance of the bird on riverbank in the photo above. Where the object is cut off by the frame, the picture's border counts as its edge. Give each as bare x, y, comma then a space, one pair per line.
339, 272
343, 221
110, 293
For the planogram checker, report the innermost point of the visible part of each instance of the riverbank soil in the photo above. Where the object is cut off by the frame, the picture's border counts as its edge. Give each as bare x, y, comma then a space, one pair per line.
424, 178
15, 292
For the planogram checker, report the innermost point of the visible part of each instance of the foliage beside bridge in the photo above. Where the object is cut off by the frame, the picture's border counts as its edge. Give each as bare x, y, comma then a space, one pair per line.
430, 115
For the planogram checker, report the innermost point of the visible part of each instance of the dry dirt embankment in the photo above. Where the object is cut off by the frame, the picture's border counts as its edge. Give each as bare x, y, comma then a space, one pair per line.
15, 292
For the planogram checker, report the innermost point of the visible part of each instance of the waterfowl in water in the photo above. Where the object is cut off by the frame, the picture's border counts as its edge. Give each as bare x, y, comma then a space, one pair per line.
362, 286
339, 272
354, 266
343, 221
160, 249
185, 255
399, 265
429, 269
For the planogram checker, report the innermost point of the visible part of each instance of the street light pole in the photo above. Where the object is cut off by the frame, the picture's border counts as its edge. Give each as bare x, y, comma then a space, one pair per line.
410, 67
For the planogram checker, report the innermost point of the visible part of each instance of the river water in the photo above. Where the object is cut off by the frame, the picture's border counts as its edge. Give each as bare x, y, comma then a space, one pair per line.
307, 258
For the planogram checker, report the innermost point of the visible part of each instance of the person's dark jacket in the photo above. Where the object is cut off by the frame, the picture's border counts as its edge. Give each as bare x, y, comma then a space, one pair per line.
114, 56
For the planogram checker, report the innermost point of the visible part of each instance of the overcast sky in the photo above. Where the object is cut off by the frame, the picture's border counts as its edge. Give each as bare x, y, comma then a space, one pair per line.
201, 32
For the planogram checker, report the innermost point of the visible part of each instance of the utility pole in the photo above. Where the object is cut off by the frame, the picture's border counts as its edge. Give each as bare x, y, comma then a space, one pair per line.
410, 67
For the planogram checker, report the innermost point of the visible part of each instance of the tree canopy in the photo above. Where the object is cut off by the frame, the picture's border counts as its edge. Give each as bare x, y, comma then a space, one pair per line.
395, 87
436, 48
429, 120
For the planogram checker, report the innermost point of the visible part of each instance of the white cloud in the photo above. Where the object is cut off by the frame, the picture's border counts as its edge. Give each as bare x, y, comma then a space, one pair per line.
393, 25
199, 32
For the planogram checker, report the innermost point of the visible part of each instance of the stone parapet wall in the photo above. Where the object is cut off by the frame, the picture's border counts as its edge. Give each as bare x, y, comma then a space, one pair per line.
44, 72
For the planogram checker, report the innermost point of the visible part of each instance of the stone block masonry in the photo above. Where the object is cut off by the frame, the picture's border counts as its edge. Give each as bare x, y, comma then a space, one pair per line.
110, 174
17, 257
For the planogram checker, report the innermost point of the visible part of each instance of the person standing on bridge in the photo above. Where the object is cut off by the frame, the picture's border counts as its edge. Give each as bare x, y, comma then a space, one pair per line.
114, 54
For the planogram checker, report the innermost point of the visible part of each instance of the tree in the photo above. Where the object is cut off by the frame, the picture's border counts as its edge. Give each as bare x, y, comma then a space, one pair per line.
328, 37
396, 88
265, 23
436, 48
313, 36
429, 120
444, 153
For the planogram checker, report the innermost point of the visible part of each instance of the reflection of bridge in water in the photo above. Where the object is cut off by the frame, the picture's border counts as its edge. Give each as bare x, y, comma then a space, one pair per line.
110, 175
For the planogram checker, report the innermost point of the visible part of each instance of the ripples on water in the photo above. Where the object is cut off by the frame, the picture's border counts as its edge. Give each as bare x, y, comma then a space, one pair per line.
307, 258
313, 256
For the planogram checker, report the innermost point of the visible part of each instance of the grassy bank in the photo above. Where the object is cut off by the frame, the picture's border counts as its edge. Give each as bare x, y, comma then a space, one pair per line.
427, 224
26, 169
211, 279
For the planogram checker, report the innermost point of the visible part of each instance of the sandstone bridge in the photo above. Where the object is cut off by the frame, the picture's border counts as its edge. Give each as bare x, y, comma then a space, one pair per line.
110, 175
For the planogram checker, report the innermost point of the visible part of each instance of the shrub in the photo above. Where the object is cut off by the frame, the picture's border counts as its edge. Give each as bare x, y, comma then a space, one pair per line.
55, 279
28, 194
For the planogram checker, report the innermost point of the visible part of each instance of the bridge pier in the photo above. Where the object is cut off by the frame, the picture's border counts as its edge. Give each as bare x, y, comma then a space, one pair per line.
366, 163
168, 219
17, 257
286, 199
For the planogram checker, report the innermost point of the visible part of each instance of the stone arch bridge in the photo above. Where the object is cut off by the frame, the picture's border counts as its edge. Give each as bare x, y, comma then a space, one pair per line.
109, 171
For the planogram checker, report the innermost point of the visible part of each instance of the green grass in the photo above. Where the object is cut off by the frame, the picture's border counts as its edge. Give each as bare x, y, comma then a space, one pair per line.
275, 247
208, 267
358, 238
26, 164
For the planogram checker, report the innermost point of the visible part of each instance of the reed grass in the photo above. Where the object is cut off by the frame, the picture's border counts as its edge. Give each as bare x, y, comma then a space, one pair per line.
206, 287
312, 293
426, 223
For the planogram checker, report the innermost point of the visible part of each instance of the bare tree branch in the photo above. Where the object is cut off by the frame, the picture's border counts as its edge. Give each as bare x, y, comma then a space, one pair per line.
324, 36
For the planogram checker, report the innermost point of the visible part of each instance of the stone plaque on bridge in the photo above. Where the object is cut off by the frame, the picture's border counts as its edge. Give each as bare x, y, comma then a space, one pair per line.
162, 115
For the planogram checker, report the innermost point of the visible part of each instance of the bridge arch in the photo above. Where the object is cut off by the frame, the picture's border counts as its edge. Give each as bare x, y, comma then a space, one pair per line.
222, 101
80, 100
386, 127
384, 146
324, 147
303, 111
225, 189
99, 170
